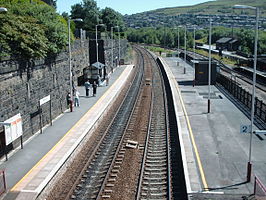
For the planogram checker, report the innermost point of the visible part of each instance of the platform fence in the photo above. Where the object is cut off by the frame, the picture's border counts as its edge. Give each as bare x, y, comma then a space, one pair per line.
2, 182
243, 96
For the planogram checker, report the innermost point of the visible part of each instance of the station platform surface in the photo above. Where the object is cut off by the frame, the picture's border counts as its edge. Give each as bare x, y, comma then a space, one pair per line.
29, 170
215, 154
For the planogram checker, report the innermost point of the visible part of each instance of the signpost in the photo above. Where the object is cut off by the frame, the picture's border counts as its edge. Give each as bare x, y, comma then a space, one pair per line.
41, 102
13, 130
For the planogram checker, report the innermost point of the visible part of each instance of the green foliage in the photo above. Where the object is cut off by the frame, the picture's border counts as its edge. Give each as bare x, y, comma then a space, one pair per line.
167, 37
89, 12
91, 15
32, 30
22, 37
111, 18
212, 7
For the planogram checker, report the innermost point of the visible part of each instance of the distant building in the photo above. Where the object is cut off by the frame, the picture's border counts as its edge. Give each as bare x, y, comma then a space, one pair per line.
228, 44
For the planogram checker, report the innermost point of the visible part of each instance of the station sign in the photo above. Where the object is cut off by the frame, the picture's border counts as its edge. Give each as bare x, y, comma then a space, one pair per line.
45, 99
13, 128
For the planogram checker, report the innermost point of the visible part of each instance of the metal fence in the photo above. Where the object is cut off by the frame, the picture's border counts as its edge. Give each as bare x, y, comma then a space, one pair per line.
243, 96
259, 189
2, 182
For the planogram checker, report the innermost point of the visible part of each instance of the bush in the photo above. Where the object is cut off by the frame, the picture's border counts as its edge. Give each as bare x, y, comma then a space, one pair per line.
31, 30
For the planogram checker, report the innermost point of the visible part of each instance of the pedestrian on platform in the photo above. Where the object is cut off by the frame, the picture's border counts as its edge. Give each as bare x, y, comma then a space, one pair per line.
69, 102
94, 86
107, 80
87, 88
76, 98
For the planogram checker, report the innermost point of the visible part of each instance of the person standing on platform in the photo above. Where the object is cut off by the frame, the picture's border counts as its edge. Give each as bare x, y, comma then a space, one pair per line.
94, 87
69, 102
87, 88
107, 80
76, 97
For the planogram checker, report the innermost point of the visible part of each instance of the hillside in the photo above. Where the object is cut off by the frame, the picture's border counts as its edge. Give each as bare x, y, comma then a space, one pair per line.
212, 7
191, 14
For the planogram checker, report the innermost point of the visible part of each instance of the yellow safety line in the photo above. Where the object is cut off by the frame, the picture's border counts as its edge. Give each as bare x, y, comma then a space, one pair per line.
26, 175
193, 142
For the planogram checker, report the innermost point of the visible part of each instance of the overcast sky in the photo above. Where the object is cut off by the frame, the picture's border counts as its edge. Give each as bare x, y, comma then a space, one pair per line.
129, 7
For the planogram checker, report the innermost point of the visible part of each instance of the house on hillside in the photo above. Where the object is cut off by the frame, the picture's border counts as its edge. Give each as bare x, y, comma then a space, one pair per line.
229, 44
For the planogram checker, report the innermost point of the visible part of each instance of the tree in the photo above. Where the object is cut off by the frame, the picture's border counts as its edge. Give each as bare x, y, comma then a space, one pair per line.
22, 37
32, 31
50, 2
89, 12
111, 18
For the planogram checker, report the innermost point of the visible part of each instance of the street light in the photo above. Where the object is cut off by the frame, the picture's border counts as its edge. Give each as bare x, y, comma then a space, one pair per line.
194, 44
112, 30
70, 67
185, 56
178, 42
119, 49
2, 9
249, 166
209, 75
97, 53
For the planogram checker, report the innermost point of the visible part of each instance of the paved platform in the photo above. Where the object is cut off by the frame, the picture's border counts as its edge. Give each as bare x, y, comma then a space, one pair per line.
215, 154
29, 170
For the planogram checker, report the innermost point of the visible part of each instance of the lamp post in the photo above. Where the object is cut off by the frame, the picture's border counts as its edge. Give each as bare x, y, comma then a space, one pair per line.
209, 73
249, 165
119, 48
185, 48
112, 30
118, 43
178, 42
96, 37
194, 44
70, 65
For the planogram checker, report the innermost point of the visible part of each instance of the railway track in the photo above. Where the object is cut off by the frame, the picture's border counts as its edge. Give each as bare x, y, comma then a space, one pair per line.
155, 177
136, 156
90, 181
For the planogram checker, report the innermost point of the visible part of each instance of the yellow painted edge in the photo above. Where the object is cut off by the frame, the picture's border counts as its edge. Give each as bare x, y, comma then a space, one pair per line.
27, 174
203, 178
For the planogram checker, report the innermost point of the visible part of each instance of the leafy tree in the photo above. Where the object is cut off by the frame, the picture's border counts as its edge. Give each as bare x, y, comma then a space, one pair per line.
32, 30
50, 2
111, 18
22, 37
89, 12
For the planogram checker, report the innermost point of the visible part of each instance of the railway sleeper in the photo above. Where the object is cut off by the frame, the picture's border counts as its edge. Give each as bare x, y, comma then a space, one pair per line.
163, 188
158, 173
158, 184
160, 160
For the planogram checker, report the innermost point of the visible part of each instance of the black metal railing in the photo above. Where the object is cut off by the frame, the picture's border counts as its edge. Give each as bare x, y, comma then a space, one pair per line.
243, 96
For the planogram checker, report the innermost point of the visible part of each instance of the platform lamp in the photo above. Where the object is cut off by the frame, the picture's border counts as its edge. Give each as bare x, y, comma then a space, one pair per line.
185, 48
96, 40
112, 35
178, 42
249, 165
194, 52
119, 48
70, 65
209, 73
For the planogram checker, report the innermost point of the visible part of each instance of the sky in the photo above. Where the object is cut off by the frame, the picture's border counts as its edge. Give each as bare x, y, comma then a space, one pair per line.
129, 6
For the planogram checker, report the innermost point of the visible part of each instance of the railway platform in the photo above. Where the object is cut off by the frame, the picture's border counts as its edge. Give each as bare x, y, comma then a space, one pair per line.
29, 170
215, 154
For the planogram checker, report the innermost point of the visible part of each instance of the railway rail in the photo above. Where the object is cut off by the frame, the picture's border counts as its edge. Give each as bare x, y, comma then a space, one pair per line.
155, 177
94, 173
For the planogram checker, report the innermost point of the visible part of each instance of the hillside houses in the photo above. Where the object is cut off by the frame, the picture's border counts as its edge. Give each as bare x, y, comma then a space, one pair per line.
150, 19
